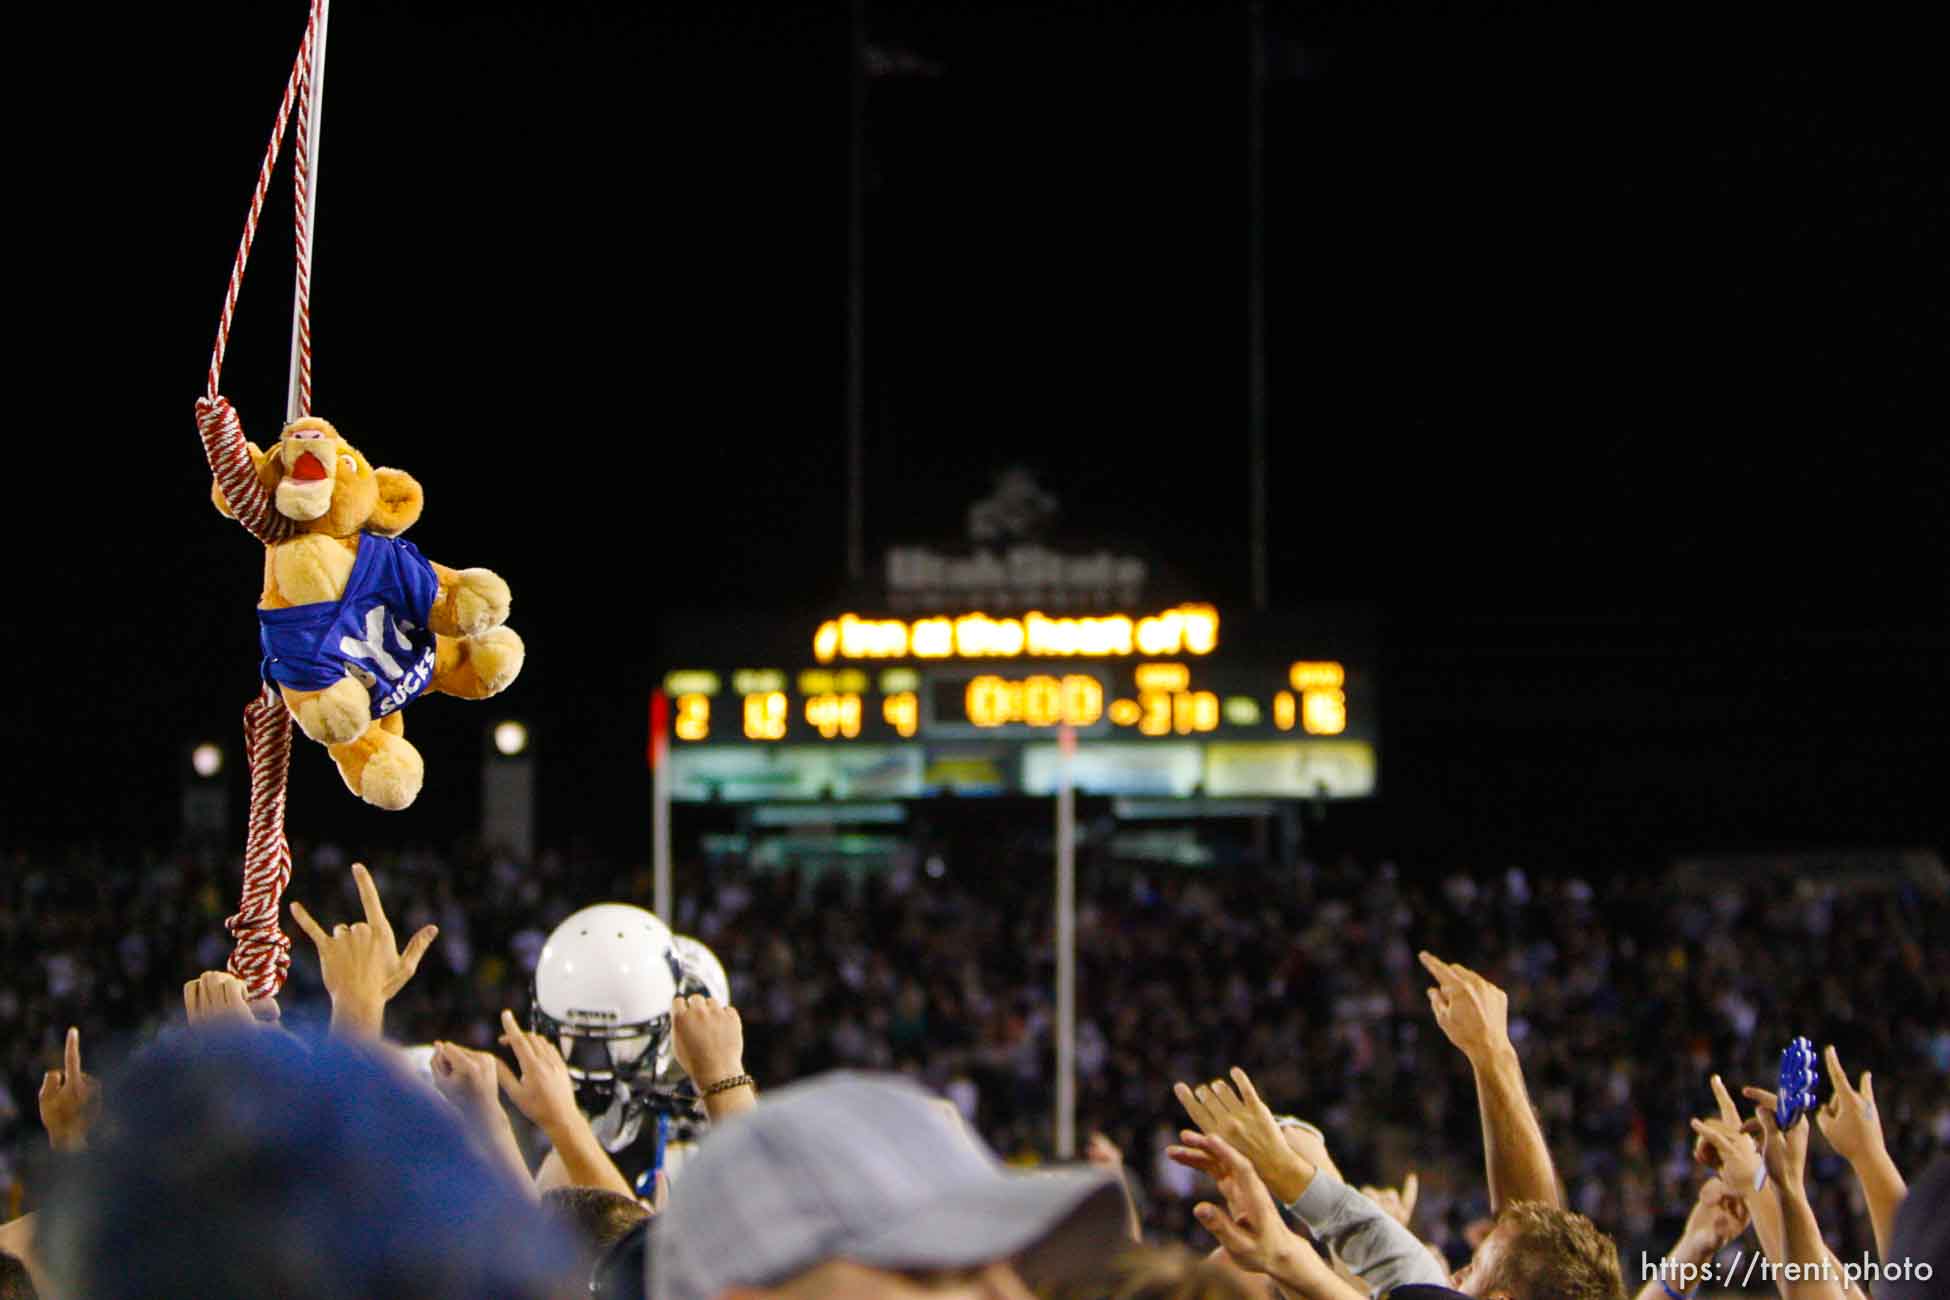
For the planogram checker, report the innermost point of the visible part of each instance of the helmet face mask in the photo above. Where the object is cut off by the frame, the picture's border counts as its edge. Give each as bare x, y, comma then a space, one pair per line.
604, 1060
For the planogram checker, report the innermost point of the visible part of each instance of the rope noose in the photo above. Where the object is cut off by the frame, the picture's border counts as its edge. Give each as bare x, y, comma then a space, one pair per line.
261, 955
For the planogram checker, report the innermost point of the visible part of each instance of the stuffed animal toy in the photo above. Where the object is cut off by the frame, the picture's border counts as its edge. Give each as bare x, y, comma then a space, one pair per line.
355, 623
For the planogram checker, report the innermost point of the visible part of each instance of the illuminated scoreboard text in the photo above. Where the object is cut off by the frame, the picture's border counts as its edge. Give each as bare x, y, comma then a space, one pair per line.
974, 704
1177, 689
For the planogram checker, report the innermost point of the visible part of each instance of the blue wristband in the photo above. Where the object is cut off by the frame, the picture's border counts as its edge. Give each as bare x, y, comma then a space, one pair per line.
1676, 1295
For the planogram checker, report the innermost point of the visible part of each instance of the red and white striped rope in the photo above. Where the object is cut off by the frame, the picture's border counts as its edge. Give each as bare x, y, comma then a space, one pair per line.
301, 218
261, 955
300, 75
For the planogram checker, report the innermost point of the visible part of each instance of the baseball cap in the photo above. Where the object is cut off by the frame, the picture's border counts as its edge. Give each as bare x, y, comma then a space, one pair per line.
868, 1168
243, 1161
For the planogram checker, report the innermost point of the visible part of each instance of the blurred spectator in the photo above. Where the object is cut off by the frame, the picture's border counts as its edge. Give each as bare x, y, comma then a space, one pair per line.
244, 1161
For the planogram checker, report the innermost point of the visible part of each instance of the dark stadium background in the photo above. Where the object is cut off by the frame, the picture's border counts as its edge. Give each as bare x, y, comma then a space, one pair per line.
1606, 361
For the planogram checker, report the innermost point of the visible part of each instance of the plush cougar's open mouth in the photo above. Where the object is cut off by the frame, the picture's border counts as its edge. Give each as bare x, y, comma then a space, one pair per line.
305, 491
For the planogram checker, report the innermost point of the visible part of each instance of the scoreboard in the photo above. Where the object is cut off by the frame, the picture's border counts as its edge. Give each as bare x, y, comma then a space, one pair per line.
1159, 703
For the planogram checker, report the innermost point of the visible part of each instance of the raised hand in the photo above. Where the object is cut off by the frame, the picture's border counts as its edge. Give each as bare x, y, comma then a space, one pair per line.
1815, 1273
70, 1099
708, 1038
1725, 1145
468, 1079
1472, 1013
1850, 1120
362, 964
542, 1090
1852, 1123
1785, 1150
1249, 1227
1103, 1153
217, 998
1247, 1126
1718, 1217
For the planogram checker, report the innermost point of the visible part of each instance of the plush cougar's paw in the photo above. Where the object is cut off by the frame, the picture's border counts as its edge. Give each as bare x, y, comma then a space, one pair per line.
480, 601
496, 657
393, 775
340, 712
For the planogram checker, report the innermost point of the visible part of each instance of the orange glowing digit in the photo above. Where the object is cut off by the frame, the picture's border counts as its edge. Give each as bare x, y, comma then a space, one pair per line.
693, 720
902, 712
1205, 711
1042, 702
1324, 711
1283, 710
1083, 700
988, 701
765, 715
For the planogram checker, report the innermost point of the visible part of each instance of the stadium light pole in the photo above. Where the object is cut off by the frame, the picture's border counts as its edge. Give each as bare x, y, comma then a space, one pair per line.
856, 294
660, 805
1256, 295
1066, 947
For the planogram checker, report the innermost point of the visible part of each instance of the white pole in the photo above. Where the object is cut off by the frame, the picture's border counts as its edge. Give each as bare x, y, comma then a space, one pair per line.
660, 808
1066, 950
314, 111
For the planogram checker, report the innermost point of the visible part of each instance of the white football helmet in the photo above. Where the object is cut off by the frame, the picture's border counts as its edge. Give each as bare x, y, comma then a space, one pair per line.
703, 972
603, 989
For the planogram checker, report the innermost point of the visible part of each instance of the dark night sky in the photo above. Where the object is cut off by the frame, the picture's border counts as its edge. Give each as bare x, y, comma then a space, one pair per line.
1606, 358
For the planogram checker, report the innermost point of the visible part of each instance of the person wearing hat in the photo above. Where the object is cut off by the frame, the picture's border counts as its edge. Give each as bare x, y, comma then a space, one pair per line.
858, 1185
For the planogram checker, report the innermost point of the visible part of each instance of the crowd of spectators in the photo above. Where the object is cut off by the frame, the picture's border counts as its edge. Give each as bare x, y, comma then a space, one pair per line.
1626, 991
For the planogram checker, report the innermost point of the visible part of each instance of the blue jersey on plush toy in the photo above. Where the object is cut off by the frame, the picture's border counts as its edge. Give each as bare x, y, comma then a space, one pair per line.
376, 632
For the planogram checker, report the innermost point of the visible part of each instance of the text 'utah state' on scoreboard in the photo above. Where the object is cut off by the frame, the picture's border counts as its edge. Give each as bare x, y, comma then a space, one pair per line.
973, 704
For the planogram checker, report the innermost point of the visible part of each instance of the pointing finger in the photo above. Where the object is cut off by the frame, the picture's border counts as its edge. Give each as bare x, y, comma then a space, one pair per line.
1411, 1188
369, 895
518, 1042
309, 926
72, 1057
1836, 1074
1438, 968
1728, 1111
